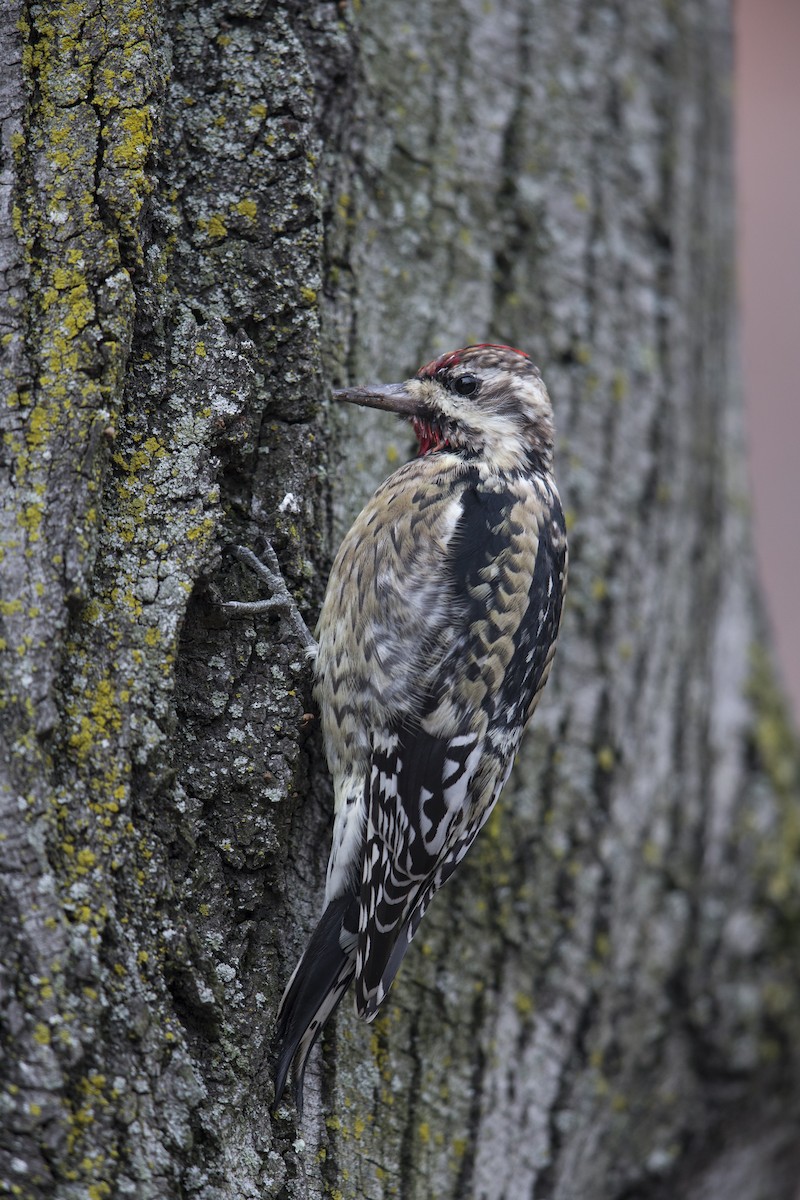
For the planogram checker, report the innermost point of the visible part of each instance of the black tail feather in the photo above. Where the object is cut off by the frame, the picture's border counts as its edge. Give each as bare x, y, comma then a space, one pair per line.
320, 980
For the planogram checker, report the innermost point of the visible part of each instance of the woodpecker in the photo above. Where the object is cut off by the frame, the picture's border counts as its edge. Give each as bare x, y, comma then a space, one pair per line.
435, 641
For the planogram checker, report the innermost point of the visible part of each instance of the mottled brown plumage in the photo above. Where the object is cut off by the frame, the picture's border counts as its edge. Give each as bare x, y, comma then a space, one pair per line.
435, 640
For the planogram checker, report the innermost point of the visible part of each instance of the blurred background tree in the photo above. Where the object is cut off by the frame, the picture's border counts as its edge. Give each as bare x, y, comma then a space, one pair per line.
767, 101
211, 213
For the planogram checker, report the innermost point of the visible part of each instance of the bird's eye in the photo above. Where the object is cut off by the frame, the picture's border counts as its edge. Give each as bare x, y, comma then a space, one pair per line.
466, 385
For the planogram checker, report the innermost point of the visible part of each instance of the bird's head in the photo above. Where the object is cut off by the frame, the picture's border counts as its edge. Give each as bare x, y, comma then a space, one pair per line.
485, 401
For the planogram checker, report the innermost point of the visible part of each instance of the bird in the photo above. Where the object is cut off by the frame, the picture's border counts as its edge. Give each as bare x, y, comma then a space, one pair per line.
434, 642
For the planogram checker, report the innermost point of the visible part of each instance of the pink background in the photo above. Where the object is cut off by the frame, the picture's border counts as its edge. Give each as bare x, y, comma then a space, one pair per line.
768, 182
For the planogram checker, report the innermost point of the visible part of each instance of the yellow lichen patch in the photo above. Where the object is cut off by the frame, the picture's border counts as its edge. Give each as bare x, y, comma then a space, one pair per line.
70, 307
202, 530
104, 718
605, 758
523, 1003
91, 1090
343, 205
38, 426
41, 1034
602, 945
216, 227
150, 449
85, 861
247, 208
30, 518
131, 603
132, 149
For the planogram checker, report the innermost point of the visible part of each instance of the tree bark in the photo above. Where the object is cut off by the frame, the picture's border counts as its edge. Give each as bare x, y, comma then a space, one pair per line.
211, 213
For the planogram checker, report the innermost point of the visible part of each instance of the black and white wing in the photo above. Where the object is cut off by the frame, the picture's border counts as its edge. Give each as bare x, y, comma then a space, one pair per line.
435, 776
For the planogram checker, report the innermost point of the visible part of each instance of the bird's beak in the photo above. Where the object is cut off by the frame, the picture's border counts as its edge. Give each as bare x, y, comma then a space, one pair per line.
392, 397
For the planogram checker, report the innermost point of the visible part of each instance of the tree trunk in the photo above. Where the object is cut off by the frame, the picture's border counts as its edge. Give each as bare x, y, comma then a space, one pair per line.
210, 213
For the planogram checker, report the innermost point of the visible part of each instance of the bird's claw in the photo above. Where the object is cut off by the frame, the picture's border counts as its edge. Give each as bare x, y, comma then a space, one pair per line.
281, 599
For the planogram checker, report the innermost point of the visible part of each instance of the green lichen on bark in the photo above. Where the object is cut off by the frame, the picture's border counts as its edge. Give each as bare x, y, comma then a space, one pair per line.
166, 329
80, 168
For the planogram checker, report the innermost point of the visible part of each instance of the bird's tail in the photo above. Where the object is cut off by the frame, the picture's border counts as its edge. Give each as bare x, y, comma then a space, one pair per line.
319, 982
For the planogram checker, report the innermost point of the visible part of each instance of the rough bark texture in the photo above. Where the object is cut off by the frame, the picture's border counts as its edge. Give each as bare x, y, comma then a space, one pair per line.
210, 212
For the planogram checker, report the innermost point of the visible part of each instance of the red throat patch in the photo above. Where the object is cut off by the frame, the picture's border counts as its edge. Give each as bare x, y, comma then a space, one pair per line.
429, 439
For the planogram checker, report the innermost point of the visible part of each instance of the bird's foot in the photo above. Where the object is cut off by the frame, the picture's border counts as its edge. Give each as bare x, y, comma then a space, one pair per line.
281, 600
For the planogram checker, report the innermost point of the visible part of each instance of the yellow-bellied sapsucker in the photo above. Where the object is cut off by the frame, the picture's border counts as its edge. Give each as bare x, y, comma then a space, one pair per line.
435, 640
